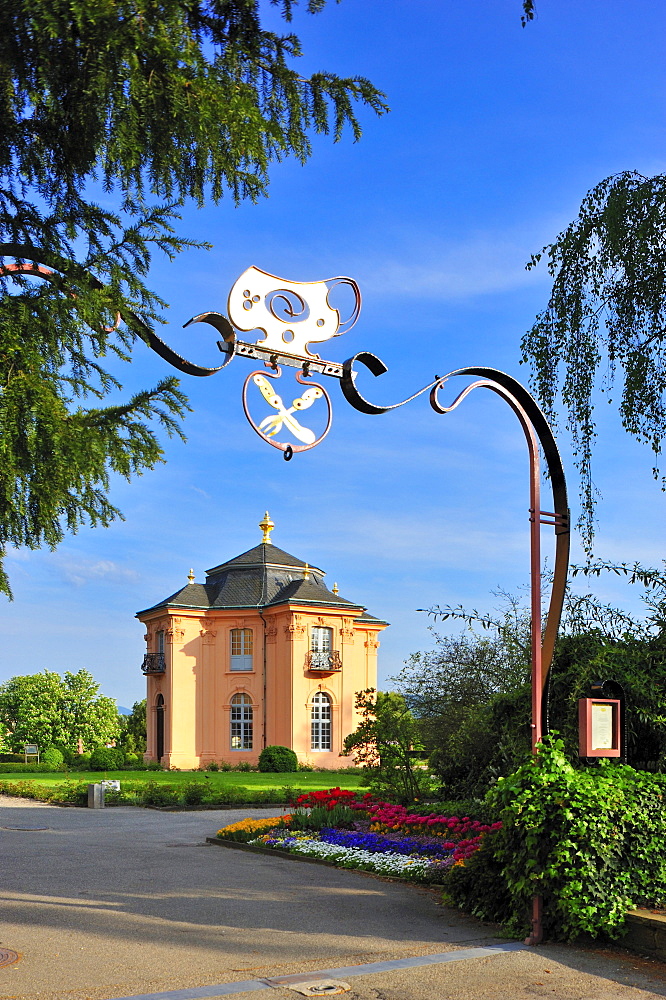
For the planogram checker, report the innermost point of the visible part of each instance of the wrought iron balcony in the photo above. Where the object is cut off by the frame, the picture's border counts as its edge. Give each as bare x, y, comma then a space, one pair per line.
153, 663
324, 662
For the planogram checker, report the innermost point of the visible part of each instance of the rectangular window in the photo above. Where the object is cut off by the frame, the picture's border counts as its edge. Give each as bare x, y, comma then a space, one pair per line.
160, 642
241, 649
321, 645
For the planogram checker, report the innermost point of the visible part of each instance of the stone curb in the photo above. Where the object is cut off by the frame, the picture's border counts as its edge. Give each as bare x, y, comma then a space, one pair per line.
646, 933
254, 849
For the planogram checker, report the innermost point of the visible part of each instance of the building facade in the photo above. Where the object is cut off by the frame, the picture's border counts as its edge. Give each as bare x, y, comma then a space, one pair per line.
260, 654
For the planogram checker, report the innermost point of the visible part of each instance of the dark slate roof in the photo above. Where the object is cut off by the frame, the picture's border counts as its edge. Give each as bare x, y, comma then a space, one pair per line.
262, 576
370, 619
262, 555
310, 591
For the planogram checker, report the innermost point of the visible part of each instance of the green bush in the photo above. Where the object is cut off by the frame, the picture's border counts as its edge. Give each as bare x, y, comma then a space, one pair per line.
132, 761
244, 766
194, 792
53, 757
106, 759
156, 794
588, 840
12, 758
476, 809
278, 760
27, 769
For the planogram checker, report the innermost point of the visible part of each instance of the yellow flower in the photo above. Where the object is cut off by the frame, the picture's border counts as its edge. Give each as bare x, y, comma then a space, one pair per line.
252, 825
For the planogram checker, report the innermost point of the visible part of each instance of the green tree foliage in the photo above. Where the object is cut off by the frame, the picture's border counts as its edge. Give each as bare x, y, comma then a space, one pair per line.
471, 695
605, 321
176, 99
387, 745
133, 729
56, 711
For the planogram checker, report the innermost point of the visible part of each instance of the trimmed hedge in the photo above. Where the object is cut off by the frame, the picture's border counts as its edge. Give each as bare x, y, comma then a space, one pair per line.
590, 841
107, 759
152, 793
29, 769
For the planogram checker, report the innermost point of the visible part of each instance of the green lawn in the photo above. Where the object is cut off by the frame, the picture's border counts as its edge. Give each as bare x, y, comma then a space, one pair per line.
305, 780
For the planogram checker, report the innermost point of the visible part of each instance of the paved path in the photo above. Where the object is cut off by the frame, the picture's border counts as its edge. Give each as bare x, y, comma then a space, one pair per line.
122, 902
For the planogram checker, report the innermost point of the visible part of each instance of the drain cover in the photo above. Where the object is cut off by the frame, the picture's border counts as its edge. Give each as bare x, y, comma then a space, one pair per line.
8, 957
320, 988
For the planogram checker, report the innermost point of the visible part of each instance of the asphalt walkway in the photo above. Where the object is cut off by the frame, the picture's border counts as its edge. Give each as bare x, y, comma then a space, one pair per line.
123, 902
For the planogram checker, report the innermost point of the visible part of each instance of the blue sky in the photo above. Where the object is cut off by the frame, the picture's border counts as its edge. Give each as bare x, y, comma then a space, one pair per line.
495, 134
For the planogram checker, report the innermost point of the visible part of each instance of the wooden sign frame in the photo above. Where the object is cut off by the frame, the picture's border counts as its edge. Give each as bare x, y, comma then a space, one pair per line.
599, 723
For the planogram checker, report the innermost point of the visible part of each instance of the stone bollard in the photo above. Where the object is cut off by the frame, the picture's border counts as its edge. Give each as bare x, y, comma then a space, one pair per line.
95, 796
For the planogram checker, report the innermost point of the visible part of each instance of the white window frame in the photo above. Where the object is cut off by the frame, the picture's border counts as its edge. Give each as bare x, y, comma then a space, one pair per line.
321, 729
241, 640
321, 647
241, 723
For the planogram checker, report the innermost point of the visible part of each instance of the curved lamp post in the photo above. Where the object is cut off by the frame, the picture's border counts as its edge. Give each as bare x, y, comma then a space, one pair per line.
292, 315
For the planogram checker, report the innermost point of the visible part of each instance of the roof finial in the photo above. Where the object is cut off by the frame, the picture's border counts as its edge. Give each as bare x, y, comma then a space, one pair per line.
336, 589
306, 572
190, 577
266, 526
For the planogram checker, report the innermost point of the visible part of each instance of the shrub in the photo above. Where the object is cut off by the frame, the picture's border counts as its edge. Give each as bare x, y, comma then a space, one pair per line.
194, 792
25, 768
12, 758
278, 760
81, 762
132, 761
156, 794
242, 765
213, 766
53, 757
106, 759
588, 840
476, 809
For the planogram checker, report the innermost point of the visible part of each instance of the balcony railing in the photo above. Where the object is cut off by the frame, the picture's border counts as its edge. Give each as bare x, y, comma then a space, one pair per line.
153, 663
323, 661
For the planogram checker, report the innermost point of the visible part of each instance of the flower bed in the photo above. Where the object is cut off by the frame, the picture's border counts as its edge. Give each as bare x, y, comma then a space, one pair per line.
364, 833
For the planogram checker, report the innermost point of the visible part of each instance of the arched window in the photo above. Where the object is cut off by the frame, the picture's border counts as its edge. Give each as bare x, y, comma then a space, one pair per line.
241, 649
320, 722
159, 726
241, 722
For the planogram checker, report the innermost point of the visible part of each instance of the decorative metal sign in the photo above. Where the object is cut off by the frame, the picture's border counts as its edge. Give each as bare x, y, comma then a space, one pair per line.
290, 316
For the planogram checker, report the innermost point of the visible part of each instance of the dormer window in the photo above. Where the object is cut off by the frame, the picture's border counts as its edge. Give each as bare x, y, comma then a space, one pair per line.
241, 649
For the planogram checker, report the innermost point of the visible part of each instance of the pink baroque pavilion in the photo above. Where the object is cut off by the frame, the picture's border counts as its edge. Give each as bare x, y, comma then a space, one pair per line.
262, 653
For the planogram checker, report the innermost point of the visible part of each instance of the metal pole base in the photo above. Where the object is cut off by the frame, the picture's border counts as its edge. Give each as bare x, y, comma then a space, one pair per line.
536, 937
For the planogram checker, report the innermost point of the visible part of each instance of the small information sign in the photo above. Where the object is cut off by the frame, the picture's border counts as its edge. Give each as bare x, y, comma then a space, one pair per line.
599, 727
31, 750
